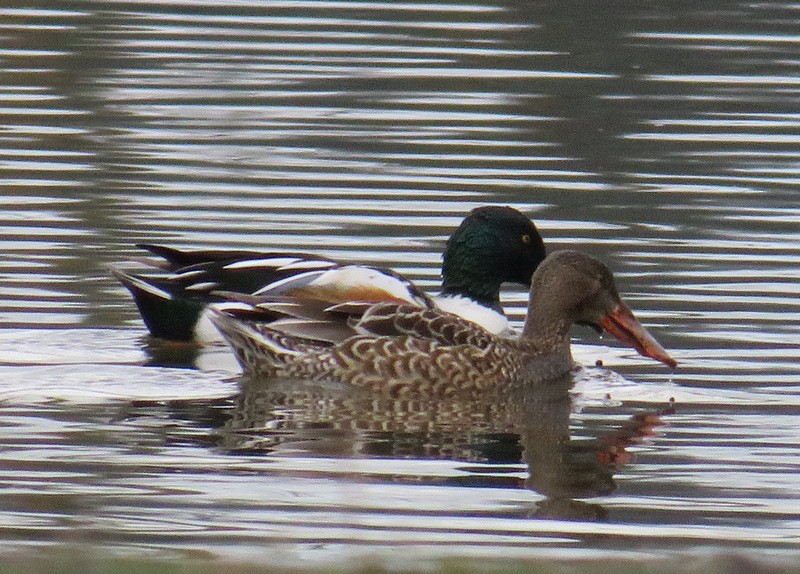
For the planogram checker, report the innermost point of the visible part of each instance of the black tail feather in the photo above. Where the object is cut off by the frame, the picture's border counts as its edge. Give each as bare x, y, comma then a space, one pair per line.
165, 315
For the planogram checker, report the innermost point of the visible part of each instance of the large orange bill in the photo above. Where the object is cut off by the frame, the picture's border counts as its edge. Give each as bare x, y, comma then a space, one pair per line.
623, 325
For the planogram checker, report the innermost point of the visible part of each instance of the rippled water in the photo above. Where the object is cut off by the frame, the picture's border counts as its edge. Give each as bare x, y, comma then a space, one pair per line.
663, 140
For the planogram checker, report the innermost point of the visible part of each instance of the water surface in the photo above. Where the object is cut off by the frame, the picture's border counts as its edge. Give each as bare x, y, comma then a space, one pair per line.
662, 141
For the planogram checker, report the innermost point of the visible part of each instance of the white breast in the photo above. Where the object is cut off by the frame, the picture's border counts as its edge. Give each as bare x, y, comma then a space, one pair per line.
465, 307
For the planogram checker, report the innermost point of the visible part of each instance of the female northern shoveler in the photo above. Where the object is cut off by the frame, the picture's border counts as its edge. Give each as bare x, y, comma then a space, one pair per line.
406, 350
493, 245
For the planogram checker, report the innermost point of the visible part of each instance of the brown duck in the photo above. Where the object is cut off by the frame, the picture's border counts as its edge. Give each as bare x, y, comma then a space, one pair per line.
405, 350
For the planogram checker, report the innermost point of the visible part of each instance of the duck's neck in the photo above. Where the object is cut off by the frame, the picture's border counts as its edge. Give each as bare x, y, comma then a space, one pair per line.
463, 274
548, 328
486, 296
545, 337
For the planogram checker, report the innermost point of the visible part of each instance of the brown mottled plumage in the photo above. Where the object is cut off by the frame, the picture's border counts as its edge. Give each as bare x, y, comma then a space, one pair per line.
404, 350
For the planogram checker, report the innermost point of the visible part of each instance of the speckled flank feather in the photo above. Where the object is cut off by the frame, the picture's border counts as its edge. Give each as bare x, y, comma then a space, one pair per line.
447, 355
260, 350
400, 366
405, 366
389, 319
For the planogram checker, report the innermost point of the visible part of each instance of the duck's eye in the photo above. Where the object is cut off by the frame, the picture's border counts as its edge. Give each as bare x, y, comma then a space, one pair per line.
526, 238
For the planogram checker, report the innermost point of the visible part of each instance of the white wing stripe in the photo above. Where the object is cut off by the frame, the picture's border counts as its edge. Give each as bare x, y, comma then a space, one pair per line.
205, 286
309, 264
302, 278
270, 263
188, 274
147, 287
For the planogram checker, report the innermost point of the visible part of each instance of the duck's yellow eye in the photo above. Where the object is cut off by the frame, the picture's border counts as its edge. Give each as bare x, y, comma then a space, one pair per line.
526, 238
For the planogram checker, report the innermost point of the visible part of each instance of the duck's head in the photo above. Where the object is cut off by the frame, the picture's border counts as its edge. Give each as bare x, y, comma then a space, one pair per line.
571, 287
493, 245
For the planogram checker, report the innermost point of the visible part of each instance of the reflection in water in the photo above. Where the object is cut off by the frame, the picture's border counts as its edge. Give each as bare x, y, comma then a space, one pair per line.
161, 353
490, 433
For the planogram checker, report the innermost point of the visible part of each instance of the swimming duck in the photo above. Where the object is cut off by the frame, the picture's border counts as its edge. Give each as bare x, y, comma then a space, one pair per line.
405, 350
493, 245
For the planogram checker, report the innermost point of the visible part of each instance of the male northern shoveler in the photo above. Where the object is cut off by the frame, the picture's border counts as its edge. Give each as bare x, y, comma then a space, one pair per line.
493, 245
410, 351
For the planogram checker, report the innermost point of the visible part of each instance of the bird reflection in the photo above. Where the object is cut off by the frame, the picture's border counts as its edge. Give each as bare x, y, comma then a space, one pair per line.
162, 353
490, 435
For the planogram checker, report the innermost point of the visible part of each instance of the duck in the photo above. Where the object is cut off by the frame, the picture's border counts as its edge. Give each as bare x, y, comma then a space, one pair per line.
406, 351
492, 245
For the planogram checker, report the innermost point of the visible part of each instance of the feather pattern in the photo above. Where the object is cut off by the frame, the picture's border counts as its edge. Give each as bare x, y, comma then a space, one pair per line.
404, 350
492, 245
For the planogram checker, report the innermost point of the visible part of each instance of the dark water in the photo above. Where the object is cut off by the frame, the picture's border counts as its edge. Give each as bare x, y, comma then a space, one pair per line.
662, 138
